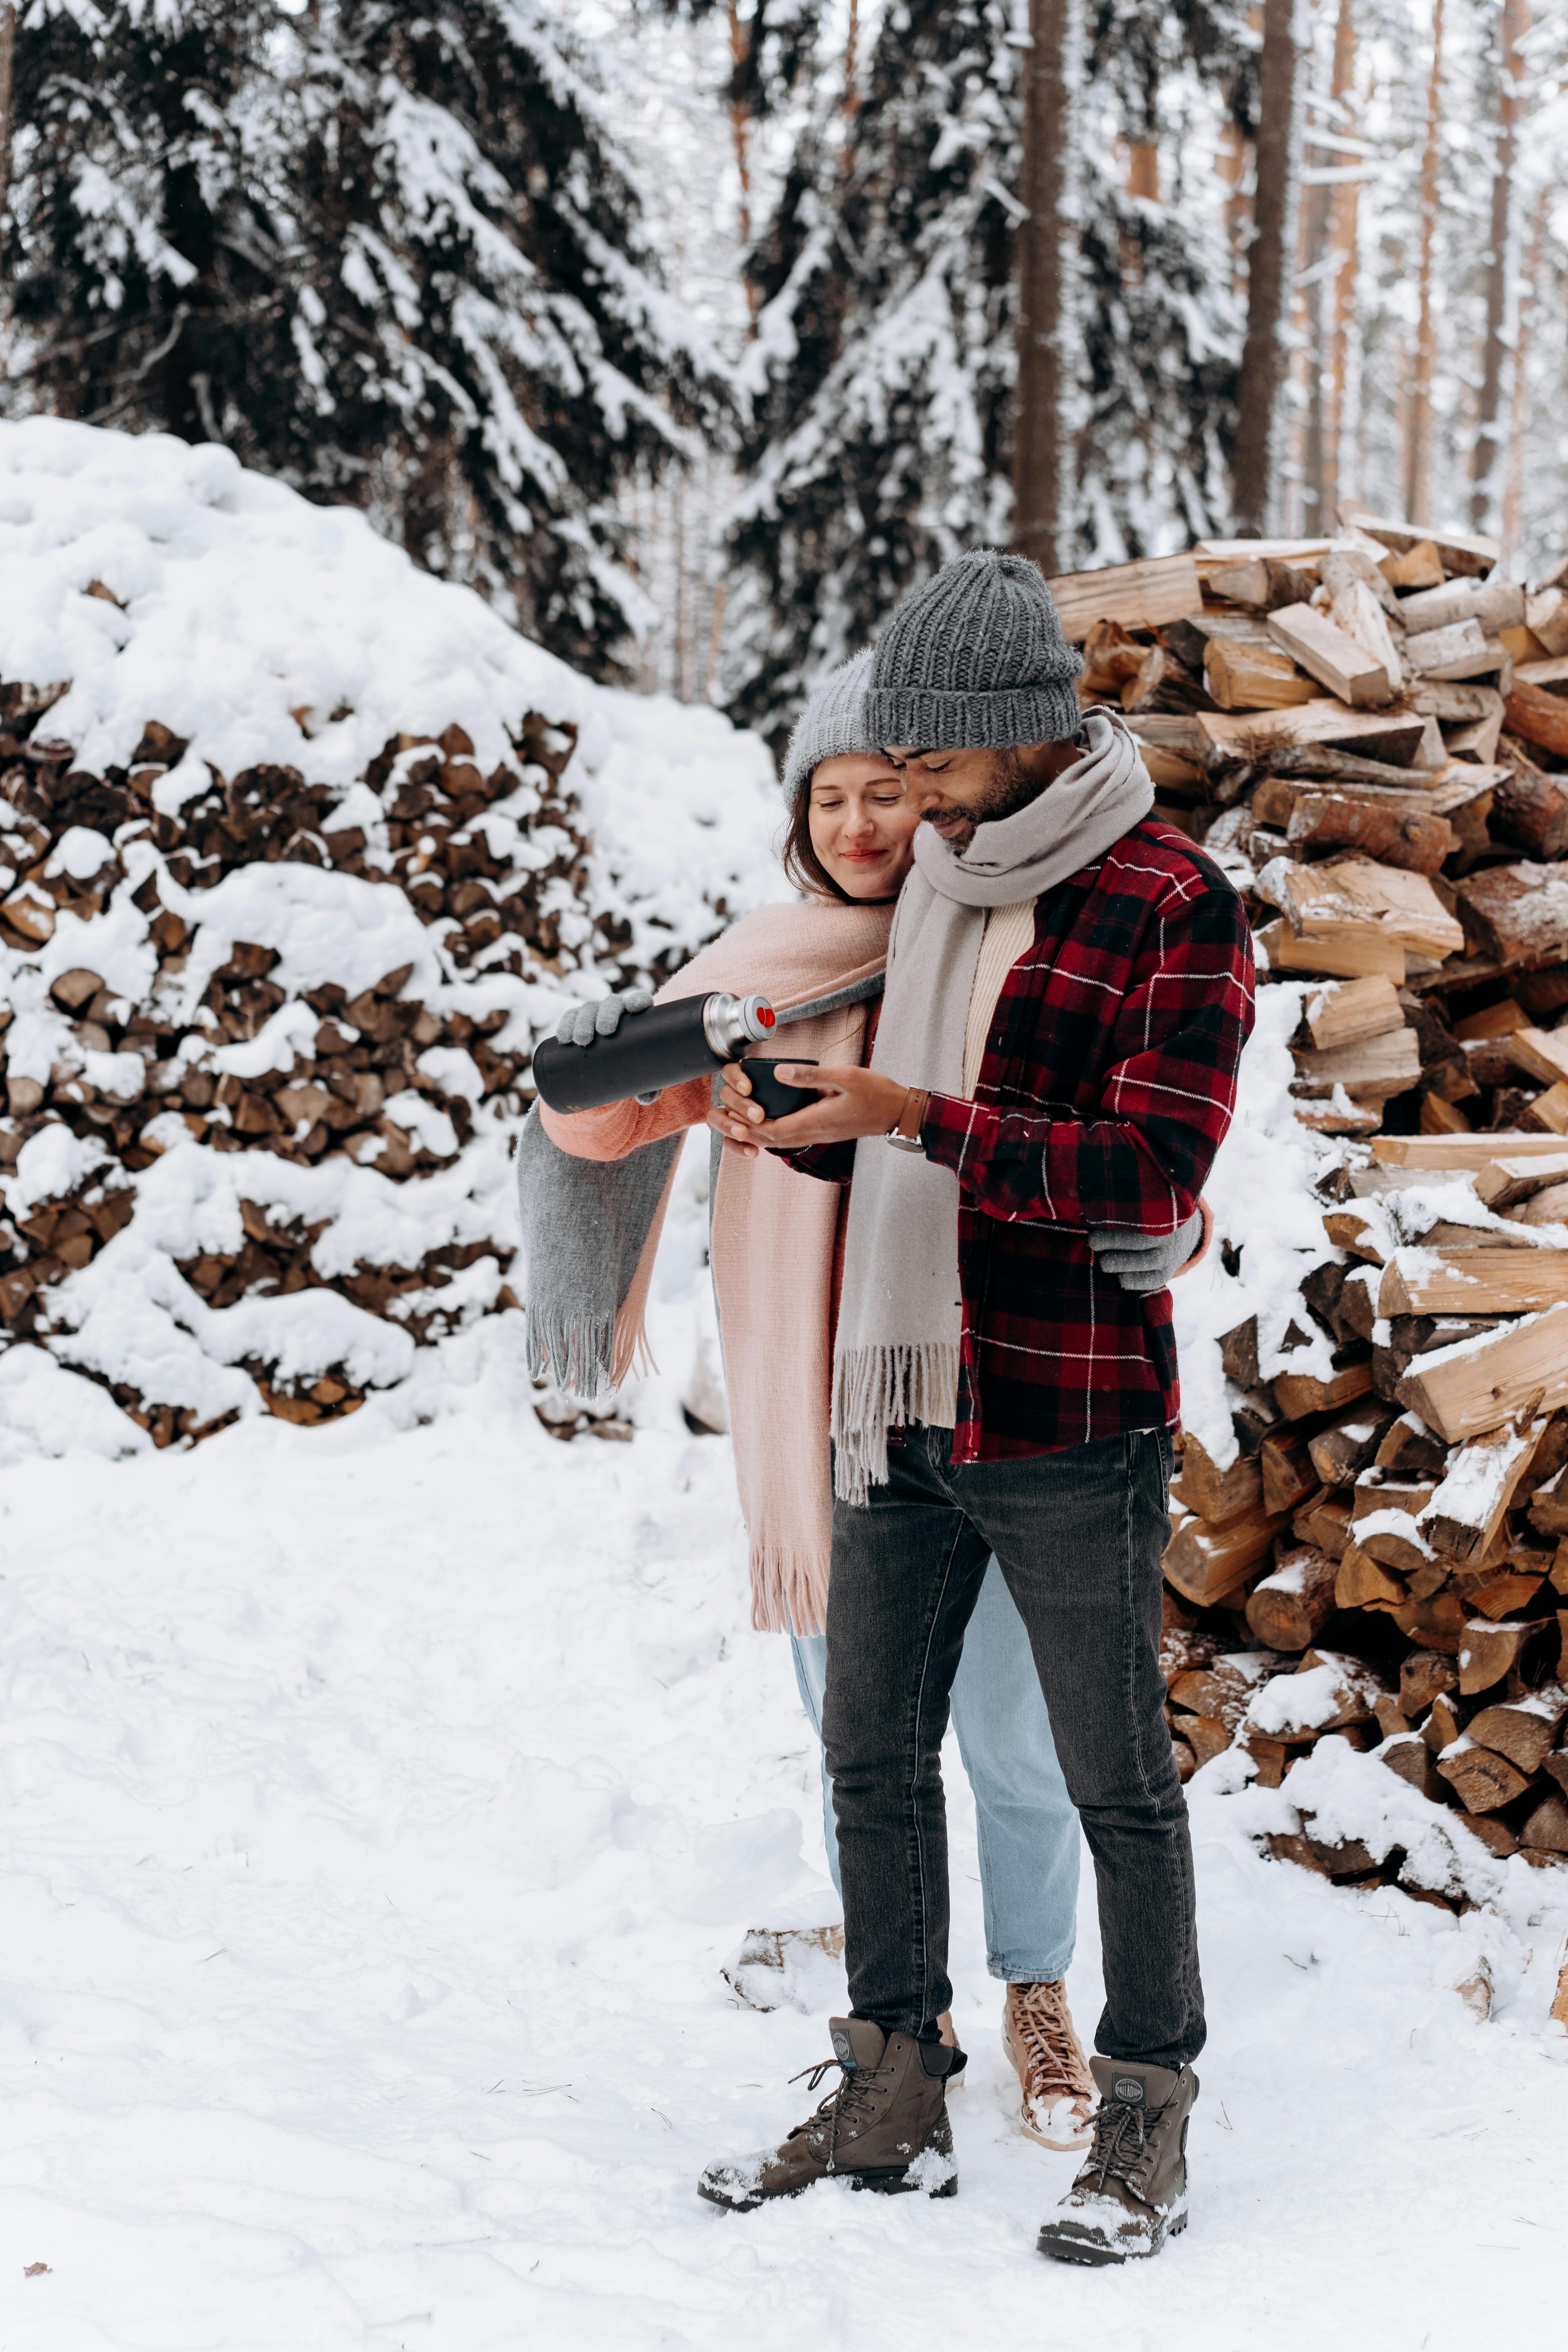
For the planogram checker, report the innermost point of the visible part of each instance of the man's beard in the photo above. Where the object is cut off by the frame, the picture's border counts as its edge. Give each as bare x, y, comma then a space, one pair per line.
1011, 788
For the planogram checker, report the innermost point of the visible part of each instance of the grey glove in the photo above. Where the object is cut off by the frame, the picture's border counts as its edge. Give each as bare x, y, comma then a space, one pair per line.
584, 1022
581, 1024
1145, 1262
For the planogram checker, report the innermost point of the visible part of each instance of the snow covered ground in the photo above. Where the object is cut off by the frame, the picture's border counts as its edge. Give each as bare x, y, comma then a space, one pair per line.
381, 1801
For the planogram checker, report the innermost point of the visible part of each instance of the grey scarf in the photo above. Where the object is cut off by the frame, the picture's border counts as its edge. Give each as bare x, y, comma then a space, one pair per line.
900, 1317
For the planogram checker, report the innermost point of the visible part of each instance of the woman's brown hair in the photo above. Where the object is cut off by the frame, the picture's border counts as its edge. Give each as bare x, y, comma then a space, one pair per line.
801, 862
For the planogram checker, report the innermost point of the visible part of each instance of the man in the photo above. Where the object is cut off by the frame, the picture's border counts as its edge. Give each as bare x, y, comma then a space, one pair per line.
1069, 988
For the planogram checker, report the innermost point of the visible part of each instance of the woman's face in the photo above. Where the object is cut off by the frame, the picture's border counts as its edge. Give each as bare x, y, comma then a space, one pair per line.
862, 821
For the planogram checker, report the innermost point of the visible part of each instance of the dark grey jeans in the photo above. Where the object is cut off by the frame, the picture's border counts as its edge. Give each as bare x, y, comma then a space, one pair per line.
1078, 1535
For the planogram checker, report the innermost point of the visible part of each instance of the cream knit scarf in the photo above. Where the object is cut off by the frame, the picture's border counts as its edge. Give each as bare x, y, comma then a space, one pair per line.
901, 1318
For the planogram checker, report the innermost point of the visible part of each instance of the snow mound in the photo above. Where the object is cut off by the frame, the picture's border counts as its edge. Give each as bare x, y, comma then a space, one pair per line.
301, 852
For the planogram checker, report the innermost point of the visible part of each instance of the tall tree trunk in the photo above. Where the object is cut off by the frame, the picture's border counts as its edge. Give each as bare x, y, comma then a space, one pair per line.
1231, 163
1484, 464
1264, 359
1518, 418
852, 60
1418, 438
740, 138
1343, 243
1043, 484
7, 50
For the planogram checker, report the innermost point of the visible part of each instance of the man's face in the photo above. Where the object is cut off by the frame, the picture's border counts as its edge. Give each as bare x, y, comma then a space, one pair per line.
961, 789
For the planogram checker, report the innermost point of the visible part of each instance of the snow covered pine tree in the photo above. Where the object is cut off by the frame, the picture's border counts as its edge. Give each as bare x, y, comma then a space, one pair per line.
393, 257
882, 374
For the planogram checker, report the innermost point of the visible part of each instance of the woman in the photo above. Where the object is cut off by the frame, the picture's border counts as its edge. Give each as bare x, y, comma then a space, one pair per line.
778, 1244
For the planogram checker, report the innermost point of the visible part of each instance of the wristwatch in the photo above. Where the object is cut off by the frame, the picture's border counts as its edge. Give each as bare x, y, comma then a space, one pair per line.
913, 1110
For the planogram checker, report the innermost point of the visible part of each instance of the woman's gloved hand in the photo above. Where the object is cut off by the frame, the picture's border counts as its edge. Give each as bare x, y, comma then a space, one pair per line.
581, 1024
1143, 1262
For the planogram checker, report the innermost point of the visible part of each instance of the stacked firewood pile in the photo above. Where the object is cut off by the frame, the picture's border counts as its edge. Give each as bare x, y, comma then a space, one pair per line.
1372, 734
105, 1073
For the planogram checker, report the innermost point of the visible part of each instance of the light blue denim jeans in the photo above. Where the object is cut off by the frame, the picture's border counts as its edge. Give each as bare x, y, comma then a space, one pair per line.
1027, 1823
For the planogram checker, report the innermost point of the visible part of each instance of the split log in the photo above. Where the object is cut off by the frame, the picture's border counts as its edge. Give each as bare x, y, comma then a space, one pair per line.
1436, 1623
1504, 1182
1494, 604
1530, 807
1546, 1831
1350, 952
1238, 1353
1420, 567
1550, 1110
1262, 583
1467, 1510
1348, 1445
1481, 1781
1335, 659
1455, 1154
1547, 1207
1416, 843
1216, 1495
1206, 1564
1288, 1478
1243, 676
1325, 1523
1364, 1582
1396, 737
1457, 552
1223, 1688
1408, 1757
1517, 914
1446, 1722
1369, 1071
1288, 1609
1461, 1391
1484, 1281
1542, 718
1318, 899
1300, 1393
1141, 596
1546, 617
1410, 1450
1550, 676
1423, 1677
1543, 1052
1488, 1651
1522, 1729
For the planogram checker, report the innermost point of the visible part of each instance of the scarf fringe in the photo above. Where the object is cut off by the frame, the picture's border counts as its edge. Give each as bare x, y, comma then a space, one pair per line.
575, 1350
789, 1589
882, 1388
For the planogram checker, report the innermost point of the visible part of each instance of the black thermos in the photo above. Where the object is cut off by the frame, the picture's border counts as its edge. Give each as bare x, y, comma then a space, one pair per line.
661, 1047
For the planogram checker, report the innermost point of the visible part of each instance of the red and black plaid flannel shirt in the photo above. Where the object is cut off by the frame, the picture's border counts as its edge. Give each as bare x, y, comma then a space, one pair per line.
1108, 1083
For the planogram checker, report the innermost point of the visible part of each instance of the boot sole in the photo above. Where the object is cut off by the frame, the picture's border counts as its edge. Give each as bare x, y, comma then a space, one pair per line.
1088, 2255
884, 2180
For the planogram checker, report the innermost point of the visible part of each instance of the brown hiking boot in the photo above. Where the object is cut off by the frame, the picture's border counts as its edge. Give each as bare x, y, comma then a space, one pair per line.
884, 2127
1058, 2088
1132, 2193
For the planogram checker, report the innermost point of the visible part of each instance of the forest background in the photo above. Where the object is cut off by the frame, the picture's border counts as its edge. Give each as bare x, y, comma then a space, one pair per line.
692, 331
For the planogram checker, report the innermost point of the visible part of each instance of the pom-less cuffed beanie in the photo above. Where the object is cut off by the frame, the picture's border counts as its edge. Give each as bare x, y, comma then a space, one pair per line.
974, 659
832, 723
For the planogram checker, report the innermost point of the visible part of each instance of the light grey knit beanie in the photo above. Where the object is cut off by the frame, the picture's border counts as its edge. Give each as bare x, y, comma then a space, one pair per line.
974, 659
832, 723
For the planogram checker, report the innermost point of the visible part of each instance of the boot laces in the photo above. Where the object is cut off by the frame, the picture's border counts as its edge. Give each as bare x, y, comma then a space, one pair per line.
853, 2099
1123, 2145
1048, 2036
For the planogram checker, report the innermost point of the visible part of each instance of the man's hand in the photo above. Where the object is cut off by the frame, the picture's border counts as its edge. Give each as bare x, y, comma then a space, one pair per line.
1144, 1263
854, 1102
581, 1024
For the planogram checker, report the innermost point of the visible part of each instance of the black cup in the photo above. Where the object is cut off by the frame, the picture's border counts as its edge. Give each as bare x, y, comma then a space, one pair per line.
776, 1098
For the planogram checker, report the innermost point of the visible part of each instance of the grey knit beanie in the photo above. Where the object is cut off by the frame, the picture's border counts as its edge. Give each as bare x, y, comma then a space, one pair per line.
833, 723
974, 659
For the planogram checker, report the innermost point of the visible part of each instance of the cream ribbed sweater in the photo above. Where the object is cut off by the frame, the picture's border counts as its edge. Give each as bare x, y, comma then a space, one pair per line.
1009, 932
